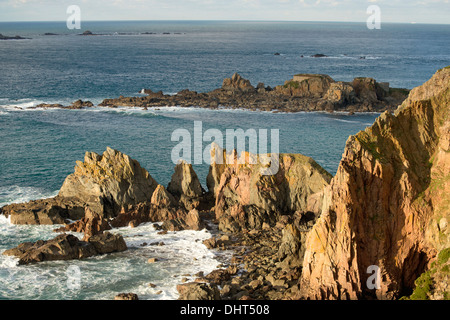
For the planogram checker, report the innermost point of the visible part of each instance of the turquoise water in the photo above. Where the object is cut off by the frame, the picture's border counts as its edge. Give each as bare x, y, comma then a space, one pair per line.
39, 147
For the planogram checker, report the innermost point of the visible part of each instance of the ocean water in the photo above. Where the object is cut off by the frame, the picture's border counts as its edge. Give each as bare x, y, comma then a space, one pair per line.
39, 147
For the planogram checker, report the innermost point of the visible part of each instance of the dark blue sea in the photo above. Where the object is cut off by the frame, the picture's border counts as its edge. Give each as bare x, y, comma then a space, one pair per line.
39, 147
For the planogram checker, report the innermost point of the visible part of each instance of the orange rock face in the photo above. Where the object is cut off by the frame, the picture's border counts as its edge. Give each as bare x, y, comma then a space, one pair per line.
390, 191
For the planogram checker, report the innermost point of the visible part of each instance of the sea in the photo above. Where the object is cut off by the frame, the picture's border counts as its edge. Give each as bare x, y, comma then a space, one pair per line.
39, 147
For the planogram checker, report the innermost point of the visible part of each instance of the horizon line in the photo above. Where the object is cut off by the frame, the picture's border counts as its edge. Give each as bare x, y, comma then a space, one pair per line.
226, 20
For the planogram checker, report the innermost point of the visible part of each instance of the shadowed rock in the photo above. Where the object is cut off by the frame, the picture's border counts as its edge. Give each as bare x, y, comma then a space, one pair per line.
385, 202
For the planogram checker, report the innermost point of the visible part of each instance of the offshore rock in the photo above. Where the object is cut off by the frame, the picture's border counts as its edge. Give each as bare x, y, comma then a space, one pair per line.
384, 205
236, 82
161, 197
304, 92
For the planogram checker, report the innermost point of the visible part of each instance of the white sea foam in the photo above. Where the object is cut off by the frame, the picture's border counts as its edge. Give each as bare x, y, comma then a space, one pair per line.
19, 194
103, 277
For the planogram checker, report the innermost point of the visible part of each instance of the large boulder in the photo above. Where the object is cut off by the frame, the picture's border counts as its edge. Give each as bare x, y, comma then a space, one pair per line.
146, 212
108, 182
66, 247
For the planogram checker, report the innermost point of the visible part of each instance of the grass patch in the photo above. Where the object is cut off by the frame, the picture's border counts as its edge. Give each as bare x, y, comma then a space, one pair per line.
370, 145
292, 84
443, 256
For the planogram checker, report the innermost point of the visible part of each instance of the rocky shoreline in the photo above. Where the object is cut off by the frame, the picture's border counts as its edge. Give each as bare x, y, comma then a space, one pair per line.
304, 92
298, 234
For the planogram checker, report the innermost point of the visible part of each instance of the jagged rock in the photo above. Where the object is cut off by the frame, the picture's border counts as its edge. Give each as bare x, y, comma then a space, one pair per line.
91, 224
391, 187
291, 249
108, 182
246, 198
146, 212
45, 211
191, 221
107, 242
66, 247
306, 85
340, 94
104, 183
186, 186
198, 291
305, 92
161, 197
236, 82
81, 104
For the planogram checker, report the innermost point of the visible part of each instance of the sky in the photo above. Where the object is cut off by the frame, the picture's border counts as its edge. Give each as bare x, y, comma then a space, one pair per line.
402, 11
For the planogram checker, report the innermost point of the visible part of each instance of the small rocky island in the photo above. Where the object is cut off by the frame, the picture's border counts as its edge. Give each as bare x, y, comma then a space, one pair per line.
304, 92
298, 234
3, 37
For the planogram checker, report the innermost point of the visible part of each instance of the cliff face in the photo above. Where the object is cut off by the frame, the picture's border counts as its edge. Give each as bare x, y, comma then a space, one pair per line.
388, 204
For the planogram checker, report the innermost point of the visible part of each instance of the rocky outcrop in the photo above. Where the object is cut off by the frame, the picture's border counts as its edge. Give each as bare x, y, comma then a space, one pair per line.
305, 92
79, 104
246, 198
190, 221
306, 85
185, 186
103, 183
3, 37
108, 182
385, 203
291, 250
67, 247
91, 224
44, 211
161, 197
146, 212
237, 83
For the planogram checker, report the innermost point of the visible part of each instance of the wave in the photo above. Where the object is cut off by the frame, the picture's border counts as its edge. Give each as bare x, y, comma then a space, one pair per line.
103, 277
19, 194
